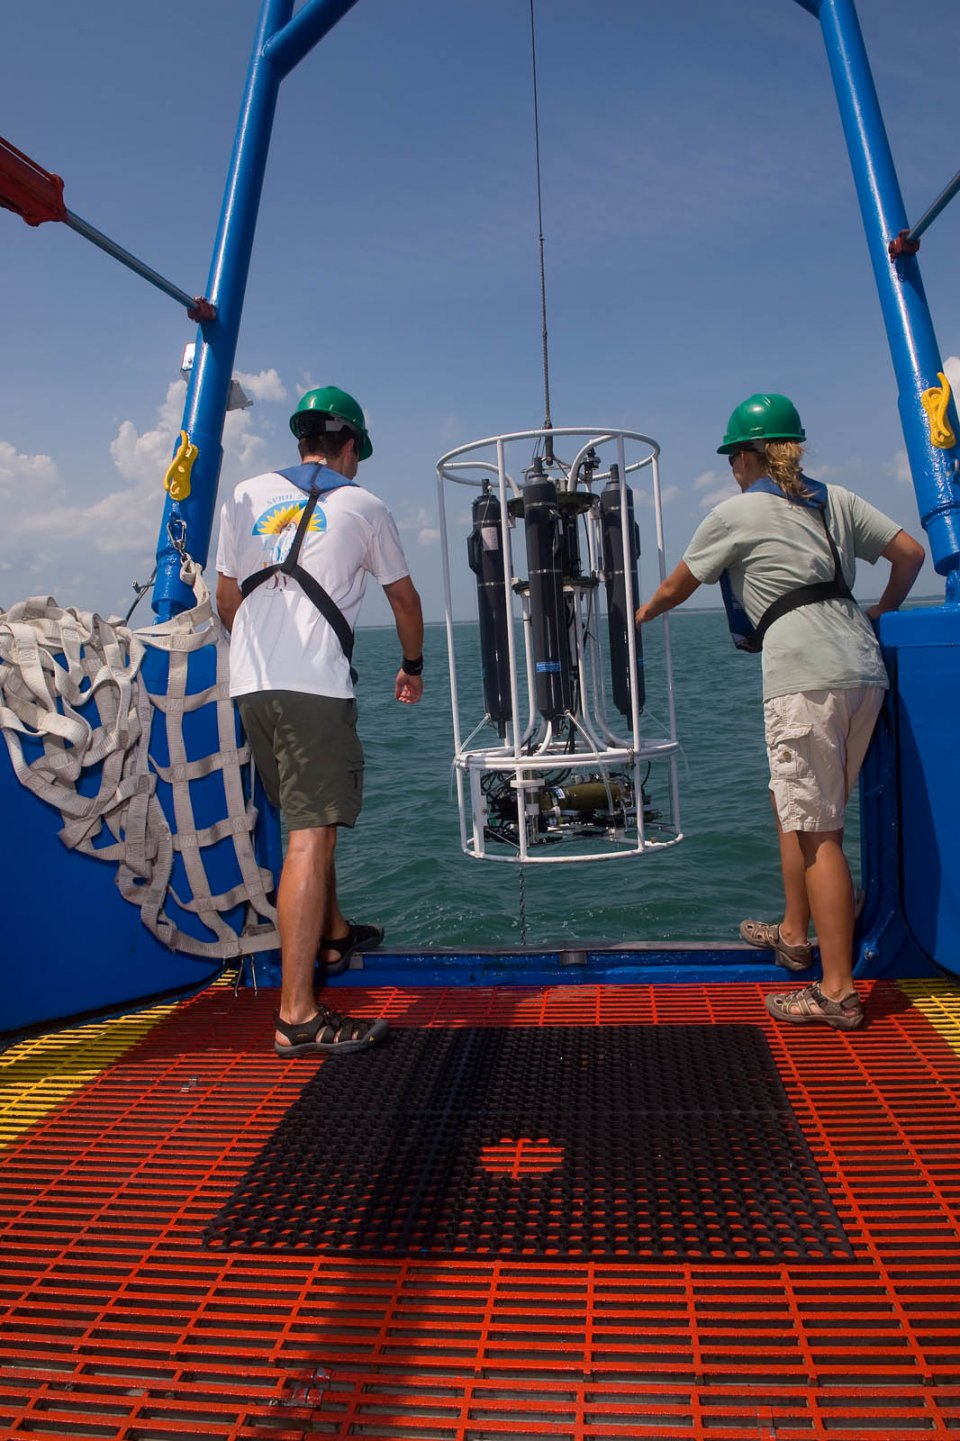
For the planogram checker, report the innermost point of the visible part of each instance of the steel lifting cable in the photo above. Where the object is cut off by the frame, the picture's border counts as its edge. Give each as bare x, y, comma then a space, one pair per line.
522, 908
547, 422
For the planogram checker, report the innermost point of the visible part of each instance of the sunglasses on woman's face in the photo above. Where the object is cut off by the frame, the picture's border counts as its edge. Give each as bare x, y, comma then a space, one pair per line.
741, 450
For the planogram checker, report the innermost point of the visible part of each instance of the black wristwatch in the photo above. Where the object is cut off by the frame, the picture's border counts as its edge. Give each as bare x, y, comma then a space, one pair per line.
412, 667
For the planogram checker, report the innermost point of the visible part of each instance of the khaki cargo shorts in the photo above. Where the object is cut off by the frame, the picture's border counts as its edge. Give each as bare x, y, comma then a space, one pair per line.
816, 742
308, 754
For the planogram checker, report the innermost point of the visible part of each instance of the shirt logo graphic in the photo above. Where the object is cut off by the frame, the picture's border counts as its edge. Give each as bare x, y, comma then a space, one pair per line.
279, 526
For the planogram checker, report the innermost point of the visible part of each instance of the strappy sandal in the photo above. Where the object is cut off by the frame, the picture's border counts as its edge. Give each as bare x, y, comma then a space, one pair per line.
358, 939
766, 937
328, 1034
810, 1004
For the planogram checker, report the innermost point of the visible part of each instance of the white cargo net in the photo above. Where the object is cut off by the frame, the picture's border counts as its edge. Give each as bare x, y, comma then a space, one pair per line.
57, 668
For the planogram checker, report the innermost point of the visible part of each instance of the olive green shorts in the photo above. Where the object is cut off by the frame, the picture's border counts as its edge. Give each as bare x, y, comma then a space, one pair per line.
308, 754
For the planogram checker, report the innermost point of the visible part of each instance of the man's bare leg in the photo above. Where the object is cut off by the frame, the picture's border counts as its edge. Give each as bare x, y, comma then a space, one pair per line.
307, 884
335, 925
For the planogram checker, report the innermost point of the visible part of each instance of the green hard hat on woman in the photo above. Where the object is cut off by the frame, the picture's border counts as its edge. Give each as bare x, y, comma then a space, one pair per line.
762, 417
330, 400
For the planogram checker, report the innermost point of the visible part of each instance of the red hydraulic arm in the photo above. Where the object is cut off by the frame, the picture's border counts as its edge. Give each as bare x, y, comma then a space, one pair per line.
29, 190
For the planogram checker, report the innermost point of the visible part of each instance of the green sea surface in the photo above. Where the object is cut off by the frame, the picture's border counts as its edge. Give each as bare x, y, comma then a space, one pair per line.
402, 866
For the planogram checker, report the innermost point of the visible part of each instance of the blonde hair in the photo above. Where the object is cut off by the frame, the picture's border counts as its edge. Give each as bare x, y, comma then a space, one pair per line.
783, 459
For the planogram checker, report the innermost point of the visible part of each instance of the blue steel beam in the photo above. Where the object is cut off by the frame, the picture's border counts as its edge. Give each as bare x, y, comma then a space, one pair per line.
287, 48
906, 314
209, 385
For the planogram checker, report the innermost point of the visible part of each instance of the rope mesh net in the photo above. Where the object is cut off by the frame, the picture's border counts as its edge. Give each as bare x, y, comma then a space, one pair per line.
85, 734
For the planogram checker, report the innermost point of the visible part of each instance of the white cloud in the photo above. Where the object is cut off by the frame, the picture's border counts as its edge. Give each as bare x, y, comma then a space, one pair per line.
717, 485
265, 385
899, 468
136, 456
645, 498
714, 497
242, 448
951, 369
30, 476
55, 536
418, 520
428, 536
31, 491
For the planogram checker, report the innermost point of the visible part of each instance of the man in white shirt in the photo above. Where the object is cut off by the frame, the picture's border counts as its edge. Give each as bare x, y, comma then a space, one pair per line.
296, 547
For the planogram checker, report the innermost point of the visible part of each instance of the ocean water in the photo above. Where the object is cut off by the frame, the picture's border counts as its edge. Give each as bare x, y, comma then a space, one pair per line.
402, 865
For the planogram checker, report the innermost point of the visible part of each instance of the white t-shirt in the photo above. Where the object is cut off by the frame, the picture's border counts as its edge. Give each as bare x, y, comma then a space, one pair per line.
280, 641
771, 546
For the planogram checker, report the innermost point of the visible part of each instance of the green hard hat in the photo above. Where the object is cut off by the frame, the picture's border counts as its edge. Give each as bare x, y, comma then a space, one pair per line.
329, 400
762, 417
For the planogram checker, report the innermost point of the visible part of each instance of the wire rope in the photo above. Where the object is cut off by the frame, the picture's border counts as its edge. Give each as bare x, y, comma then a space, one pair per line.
547, 421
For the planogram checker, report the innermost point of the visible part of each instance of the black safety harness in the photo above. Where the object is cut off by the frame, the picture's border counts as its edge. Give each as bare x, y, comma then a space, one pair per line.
290, 566
749, 637
835, 589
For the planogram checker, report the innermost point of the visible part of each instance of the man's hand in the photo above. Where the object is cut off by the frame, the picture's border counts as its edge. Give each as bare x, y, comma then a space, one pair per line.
405, 604
408, 688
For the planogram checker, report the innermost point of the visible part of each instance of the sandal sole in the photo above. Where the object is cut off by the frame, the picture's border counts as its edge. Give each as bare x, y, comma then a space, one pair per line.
788, 963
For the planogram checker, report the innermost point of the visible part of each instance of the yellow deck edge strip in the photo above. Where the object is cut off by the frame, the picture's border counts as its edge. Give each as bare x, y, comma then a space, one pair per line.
39, 1074
939, 1001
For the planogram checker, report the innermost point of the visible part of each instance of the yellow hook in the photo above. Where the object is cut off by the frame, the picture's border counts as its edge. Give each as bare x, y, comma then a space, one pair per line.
935, 402
177, 478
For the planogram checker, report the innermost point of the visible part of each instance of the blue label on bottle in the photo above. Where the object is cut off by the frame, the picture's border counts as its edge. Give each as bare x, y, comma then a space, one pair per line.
551, 667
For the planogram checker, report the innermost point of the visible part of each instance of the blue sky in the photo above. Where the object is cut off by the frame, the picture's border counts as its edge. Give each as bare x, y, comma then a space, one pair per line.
702, 242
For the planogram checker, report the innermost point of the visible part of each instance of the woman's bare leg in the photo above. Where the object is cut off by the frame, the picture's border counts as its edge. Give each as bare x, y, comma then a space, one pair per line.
796, 904
830, 891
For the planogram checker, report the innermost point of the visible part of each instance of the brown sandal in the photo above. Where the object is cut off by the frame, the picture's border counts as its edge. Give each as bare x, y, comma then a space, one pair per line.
810, 1004
766, 937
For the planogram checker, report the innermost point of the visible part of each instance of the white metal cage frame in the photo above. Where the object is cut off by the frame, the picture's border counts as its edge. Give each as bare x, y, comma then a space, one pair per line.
615, 755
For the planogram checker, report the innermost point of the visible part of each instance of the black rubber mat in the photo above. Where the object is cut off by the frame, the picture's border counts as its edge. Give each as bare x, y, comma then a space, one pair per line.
654, 1142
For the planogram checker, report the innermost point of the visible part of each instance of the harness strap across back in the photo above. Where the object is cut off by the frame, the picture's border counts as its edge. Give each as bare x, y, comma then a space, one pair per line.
310, 586
835, 589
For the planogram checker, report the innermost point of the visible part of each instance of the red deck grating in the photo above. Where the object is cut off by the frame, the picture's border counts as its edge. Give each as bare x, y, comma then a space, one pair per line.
115, 1323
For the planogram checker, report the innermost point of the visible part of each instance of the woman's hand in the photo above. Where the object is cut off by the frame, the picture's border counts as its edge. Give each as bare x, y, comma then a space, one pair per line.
906, 556
679, 584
